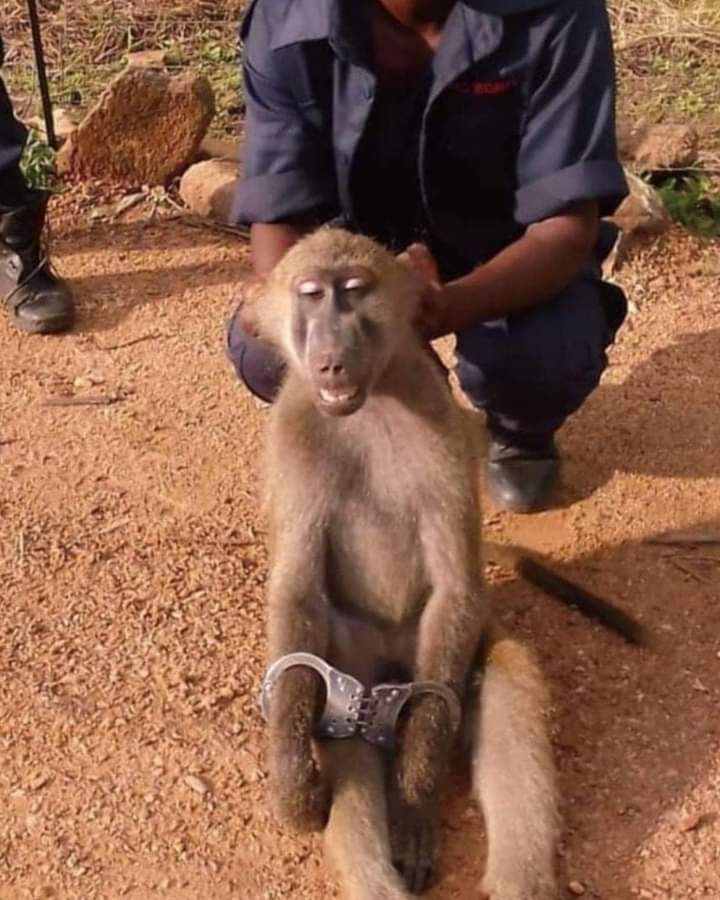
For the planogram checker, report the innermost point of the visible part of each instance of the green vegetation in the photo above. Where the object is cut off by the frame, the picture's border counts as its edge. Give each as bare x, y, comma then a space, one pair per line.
38, 162
690, 200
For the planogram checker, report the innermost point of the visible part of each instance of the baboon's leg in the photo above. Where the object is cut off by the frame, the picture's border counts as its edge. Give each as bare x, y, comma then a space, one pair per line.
357, 832
513, 775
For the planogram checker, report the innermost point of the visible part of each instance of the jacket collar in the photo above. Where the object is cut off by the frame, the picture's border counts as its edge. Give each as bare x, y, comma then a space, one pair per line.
312, 20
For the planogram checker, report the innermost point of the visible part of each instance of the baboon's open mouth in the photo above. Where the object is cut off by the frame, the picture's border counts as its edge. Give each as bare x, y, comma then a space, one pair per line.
341, 402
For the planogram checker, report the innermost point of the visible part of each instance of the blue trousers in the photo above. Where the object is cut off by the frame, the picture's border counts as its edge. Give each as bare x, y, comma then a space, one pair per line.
13, 188
528, 372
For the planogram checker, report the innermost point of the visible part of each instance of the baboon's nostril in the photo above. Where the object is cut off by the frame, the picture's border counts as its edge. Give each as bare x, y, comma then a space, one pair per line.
330, 368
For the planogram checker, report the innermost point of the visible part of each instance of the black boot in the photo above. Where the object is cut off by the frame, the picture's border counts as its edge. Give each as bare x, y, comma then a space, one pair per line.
37, 300
521, 479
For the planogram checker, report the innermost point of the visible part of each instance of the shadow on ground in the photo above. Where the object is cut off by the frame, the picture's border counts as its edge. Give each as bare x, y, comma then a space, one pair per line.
662, 420
637, 733
120, 282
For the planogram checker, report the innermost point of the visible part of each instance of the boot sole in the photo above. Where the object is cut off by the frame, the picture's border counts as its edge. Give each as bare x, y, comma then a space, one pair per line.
51, 326
543, 503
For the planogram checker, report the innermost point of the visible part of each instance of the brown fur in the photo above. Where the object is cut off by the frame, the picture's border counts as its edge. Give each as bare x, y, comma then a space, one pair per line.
375, 536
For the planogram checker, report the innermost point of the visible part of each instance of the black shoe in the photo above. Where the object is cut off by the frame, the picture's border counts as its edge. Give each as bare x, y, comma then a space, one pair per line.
519, 479
38, 301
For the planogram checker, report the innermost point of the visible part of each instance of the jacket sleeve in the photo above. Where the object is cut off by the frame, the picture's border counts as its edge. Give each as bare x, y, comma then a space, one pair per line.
568, 149
288, 164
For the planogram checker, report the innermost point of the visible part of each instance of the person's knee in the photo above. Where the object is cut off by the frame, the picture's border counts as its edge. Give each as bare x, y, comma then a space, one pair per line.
533, 390
255, 363
545, 362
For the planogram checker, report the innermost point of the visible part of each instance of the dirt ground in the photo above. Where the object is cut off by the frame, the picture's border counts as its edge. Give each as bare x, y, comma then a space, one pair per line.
132, 566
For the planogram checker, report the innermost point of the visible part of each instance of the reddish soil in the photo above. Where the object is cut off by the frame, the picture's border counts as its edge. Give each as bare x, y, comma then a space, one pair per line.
132, 566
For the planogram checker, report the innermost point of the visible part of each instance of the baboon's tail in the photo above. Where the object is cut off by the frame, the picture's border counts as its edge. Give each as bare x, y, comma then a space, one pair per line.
356, 836
513, 772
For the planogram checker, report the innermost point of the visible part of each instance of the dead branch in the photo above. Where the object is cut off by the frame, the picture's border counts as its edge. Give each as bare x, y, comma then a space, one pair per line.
90, 400
131, 343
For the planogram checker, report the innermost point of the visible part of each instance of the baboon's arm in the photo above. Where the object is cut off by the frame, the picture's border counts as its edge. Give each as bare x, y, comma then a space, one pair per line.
298, 621
450, 630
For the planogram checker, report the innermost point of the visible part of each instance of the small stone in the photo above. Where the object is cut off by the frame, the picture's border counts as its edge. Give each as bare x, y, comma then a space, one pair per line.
88, 381
208, 188
655, 148
693, 821
197, 784
149, 59
39, 781
667, 146
643, 210
576, 888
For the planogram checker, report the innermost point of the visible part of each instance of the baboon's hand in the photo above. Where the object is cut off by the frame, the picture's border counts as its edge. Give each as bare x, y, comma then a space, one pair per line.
426, 743
300, 797
250, 292
413, 842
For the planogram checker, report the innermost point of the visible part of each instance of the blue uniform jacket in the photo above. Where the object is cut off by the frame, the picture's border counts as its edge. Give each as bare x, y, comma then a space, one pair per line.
520, 115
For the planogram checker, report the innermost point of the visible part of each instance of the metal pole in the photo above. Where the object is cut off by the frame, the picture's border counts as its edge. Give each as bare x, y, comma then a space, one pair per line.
42, 74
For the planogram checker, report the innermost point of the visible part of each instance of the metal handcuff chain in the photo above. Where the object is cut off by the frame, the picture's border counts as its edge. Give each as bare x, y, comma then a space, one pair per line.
352, 709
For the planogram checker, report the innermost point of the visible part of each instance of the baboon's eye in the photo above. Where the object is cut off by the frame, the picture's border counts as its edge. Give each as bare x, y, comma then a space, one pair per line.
355, 284
311, 288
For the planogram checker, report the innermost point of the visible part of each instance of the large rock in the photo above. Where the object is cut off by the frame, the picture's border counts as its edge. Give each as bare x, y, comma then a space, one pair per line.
642, 211
657, 148
207, 188
145, 129
667, 147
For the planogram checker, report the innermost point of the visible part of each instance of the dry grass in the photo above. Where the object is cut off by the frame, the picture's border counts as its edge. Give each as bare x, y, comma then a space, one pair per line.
107, 27
642, 22
668, 50
668, 54
86, 43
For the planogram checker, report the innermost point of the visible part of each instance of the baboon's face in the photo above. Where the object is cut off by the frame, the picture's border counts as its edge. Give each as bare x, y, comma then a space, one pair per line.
339, 307
338, 340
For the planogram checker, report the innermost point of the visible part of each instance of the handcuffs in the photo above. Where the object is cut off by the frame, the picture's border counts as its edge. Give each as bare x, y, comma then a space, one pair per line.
353, 710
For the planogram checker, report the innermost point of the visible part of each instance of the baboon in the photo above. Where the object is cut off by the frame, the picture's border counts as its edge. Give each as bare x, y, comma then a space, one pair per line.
376, 581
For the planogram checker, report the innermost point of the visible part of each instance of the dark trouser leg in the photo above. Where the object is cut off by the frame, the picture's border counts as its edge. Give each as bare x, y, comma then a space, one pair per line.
532, 372
13, 188
256, 364
37, 300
